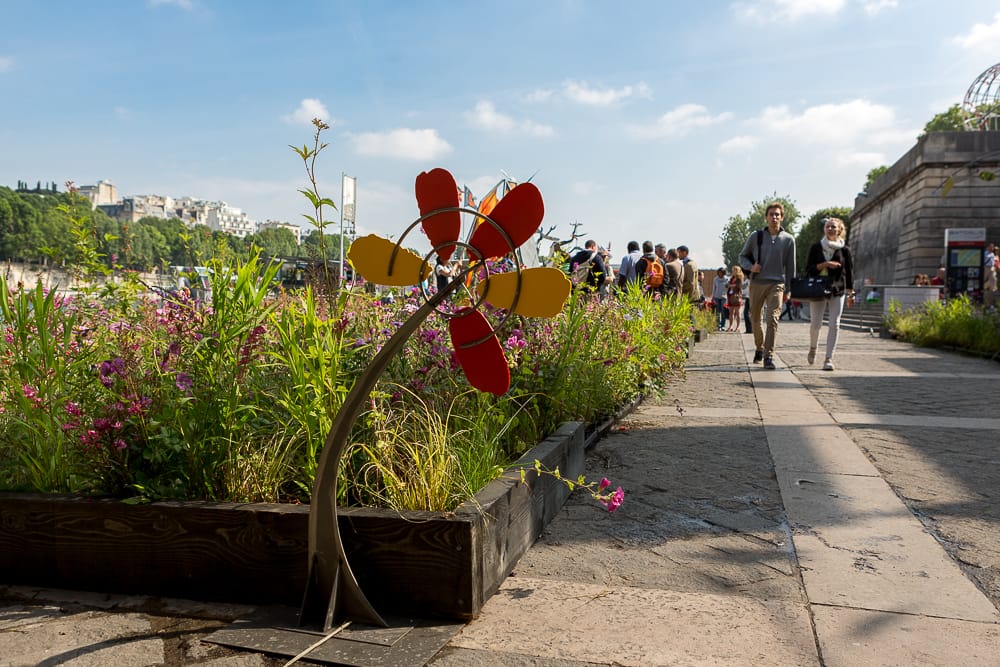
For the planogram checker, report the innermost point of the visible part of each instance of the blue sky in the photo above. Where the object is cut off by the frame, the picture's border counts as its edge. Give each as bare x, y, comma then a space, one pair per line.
640, 120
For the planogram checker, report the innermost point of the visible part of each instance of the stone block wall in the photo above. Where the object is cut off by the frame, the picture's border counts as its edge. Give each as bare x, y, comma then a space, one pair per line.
897, 227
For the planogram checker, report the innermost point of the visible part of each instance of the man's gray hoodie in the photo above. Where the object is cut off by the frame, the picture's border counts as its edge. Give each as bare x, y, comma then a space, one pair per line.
777, 257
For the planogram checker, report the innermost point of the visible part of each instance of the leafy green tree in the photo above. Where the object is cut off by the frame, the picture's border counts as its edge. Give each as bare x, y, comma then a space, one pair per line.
951, 120
873, 174
278, 242
316, 246
739, 227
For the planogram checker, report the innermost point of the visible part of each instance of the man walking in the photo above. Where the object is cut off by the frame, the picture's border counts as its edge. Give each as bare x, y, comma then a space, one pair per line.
691, 287
626, 270
644, 270
768, 256
675, 273
587, 267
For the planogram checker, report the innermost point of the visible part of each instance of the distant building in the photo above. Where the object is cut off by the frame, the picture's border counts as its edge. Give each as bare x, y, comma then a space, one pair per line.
221, 217
217, 216
274, 224
103, 194
148, 206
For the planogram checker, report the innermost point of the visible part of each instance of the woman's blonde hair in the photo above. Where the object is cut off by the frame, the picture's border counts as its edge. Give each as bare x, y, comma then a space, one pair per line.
738, 272
842, 234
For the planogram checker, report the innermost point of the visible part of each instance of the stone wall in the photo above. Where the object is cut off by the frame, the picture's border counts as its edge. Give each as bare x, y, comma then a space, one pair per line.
56, 278
897, 227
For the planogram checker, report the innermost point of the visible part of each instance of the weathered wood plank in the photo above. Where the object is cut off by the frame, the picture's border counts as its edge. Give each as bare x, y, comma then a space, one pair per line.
423, 563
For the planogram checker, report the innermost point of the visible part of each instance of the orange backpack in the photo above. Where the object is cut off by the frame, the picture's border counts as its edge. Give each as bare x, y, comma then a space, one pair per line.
654, 272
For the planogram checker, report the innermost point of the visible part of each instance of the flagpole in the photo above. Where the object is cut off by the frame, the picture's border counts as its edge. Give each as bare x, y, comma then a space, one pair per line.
340, 262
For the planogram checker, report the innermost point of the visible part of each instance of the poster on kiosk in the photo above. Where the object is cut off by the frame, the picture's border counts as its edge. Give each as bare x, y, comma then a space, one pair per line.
965, 249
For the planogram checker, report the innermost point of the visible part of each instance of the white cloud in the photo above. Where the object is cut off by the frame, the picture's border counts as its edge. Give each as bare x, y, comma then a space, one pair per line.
6, 63
308, 109
183, 4
860, 159
740, 143
486, 117
981, 36
832, 123
581, 93
787, 10
678, 122
403, 143
874, 7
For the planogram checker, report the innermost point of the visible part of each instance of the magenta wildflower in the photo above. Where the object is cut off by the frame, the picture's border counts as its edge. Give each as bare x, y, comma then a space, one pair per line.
615, 500
184, 382
605, 483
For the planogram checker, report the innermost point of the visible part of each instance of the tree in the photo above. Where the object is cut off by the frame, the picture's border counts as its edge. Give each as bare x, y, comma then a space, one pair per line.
276, 242
739, 228
952, 120
319, 246
812, 231
872, 175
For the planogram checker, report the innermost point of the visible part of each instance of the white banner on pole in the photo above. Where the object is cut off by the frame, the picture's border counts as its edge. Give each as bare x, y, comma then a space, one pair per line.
348, 200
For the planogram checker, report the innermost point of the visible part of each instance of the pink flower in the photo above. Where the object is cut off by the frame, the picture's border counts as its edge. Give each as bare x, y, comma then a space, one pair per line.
605, 483
615, 500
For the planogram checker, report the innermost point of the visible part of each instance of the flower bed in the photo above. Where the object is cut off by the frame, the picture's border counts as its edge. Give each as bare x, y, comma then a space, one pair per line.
443, 564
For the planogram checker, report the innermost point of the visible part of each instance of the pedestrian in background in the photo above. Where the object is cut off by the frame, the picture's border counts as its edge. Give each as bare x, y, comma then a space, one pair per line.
830, 257
690, 280
734, 298
720, 297
626, 270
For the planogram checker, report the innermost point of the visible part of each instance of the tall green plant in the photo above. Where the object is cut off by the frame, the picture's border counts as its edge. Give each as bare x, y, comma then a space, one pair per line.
46, 356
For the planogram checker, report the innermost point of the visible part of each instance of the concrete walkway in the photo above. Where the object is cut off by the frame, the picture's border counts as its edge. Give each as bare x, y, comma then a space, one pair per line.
786, 517
755, 530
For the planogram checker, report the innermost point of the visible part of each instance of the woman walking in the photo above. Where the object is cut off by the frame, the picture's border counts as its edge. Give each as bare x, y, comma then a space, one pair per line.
830, 257
735, 296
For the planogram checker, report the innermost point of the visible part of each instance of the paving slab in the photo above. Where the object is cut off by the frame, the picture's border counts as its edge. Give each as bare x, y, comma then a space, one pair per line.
627, 626
50, 636
856, 637
859, 546
856, 541
928, 421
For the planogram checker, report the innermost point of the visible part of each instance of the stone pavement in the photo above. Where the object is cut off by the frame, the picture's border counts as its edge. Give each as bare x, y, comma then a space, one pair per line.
786, 517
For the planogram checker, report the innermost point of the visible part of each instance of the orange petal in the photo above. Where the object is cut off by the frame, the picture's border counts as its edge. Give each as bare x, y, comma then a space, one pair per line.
370, 257
436, 189
543, 291
519, 213
484, 364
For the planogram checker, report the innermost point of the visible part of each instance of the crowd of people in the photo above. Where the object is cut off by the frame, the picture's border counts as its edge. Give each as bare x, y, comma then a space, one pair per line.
757, 290
662, 271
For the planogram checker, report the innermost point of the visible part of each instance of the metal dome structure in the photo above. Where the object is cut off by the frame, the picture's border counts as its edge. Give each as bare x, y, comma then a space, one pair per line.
981, 106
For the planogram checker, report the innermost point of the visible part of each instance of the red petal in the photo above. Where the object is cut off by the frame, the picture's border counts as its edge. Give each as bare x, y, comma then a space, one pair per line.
519, 213
484, 364
436, 189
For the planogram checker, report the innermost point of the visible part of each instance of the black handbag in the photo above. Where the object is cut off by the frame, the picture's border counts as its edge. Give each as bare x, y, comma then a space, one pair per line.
811, 288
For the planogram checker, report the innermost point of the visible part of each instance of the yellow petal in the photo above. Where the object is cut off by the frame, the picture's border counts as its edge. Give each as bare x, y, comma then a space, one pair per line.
370, 257
543, 291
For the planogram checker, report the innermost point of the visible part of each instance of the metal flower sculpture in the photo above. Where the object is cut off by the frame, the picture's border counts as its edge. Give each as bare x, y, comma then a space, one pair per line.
332, 591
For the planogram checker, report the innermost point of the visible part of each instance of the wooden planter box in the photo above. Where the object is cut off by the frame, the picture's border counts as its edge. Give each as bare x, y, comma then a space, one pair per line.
422, 563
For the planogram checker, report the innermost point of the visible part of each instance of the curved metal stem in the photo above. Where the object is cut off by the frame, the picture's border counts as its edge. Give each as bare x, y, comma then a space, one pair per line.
332, 592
